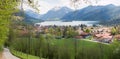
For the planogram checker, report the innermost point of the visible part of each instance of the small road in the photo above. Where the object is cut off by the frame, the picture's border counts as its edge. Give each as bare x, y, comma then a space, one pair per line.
97, 42
7, 55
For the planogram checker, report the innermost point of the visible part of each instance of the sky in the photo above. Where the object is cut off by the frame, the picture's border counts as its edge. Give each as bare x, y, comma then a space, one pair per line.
46, 5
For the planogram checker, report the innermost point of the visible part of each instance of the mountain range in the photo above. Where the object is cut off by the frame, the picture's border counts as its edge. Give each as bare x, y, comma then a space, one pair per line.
53, 14
94, 13
89, 13
56, 13
29, 16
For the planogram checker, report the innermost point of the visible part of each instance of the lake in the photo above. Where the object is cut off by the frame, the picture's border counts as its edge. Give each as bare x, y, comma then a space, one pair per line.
61, 23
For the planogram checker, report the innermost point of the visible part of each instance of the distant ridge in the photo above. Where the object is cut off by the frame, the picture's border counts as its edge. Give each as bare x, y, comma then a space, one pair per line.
94, 13
56, 13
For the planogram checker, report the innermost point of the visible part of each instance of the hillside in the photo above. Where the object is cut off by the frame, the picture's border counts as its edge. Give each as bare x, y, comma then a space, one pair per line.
94, 13
29, 16
56, 13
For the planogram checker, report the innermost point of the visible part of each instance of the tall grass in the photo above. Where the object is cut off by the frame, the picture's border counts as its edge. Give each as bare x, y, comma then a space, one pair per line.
63, 48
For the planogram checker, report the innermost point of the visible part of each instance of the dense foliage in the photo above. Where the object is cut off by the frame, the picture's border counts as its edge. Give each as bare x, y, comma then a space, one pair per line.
6, 13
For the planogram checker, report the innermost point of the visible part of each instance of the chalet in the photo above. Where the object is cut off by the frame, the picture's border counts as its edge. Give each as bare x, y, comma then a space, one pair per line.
82, 35
103, 37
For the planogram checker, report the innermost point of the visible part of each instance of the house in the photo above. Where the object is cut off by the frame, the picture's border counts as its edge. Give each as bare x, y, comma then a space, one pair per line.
117, 37
103, 37
82, 35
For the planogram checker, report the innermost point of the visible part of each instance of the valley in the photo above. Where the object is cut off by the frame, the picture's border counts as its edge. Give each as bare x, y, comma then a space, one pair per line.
59, 29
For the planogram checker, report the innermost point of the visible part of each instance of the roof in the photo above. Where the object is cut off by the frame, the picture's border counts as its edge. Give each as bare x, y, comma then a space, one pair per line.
104, 35
83, 33
117, 36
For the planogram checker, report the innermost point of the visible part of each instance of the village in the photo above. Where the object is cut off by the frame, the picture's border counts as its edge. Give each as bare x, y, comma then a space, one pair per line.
95, 33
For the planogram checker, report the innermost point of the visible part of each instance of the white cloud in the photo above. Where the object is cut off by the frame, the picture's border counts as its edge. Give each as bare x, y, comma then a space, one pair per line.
44, 6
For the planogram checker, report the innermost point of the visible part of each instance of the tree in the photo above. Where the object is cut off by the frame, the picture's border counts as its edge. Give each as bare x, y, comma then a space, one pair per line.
7, 10
87, 30
113, 31
70, 33
6, 13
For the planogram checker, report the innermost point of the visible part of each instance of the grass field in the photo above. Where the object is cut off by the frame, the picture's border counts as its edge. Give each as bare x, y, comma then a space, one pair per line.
23, 55
84, 48
67, 47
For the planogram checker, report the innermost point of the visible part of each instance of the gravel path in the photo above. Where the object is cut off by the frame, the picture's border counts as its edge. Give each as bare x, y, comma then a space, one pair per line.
7, 55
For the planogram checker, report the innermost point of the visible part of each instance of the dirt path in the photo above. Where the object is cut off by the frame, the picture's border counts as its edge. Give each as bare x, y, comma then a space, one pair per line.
7, 55
97, 42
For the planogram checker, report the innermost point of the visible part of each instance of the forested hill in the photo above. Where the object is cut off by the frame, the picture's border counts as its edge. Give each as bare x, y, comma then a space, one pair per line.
111, 22
56, 13
29, 16
94, 13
